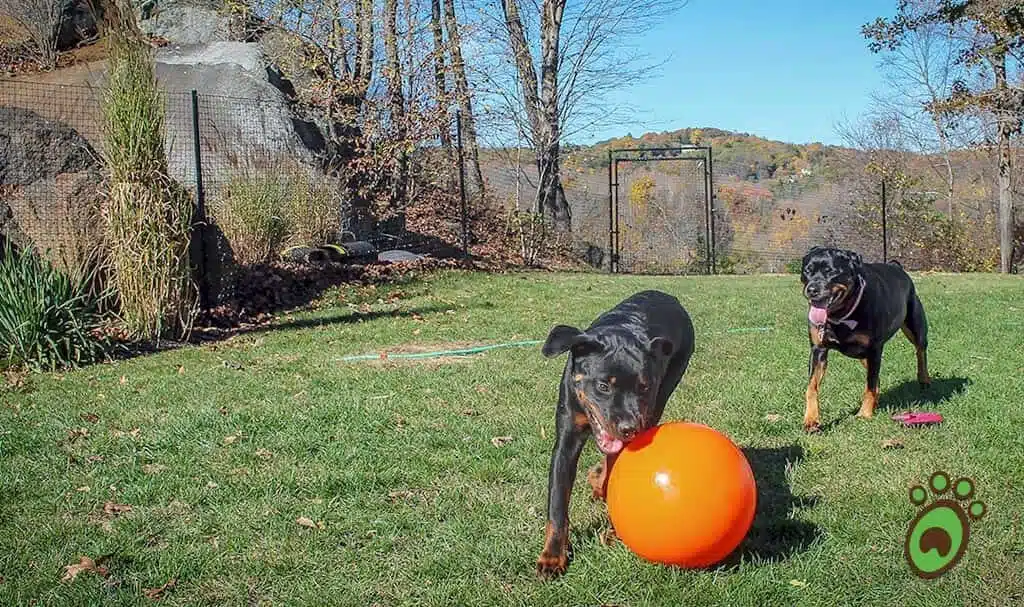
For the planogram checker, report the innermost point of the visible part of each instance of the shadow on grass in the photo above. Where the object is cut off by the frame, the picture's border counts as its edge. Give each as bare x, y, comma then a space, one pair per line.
910, 393
907, 395
125, 352
775, 536
343, 319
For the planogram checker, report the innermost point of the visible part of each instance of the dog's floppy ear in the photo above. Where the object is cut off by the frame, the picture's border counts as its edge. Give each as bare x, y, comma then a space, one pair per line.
857, 260
562, 338
662, 346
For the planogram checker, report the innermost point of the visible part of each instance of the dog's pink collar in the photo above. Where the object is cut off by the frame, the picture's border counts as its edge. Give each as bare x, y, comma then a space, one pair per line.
851, 323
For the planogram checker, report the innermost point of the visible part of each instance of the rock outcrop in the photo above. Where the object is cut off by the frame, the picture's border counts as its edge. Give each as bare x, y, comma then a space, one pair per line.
49, 185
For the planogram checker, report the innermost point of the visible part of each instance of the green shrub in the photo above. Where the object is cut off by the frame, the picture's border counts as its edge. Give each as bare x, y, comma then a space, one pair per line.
47, 319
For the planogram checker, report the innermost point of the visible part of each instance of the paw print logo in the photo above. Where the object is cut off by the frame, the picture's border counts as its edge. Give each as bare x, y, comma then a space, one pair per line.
938, 536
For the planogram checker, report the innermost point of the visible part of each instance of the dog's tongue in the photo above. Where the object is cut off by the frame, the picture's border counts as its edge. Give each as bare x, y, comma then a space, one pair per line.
606, 443
817, 315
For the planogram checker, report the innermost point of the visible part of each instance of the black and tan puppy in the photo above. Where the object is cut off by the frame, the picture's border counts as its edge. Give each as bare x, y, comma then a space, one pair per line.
855, 308
617, 379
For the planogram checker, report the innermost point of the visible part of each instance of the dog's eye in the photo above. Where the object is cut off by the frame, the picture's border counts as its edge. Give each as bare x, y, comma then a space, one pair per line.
603, 388
642, 388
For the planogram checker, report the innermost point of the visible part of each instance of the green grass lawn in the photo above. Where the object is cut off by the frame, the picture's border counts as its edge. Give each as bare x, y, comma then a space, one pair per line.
221, 449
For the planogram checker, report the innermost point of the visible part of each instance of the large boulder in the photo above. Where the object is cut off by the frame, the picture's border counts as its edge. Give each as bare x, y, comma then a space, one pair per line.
246, 123
50, 183
185, 22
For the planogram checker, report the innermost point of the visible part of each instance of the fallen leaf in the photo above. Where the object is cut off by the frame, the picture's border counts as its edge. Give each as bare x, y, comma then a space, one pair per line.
798, 583
400, 421
608, 537
230, 439
93, 459
416, 332
306, 522
76, 433
230, 364
211, 485
470, 412
156, 594
114, 509
223, 410
394, 496
501, 441
263, 453
153, 468
92, 418
84, 564
772, 418
83, 489
181, 370
892, 443
134, 433
482, 389
124, 380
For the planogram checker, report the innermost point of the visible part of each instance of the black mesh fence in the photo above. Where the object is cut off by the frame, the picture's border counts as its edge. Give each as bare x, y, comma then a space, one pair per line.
255, 171
252, 167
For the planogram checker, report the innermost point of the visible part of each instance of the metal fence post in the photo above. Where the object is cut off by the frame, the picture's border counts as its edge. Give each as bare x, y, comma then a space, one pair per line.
199, 222
885, 227
462, 184
611, 219
710, 194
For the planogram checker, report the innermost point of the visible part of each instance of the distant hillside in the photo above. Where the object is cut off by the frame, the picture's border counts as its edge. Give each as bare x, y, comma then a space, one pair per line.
773, 199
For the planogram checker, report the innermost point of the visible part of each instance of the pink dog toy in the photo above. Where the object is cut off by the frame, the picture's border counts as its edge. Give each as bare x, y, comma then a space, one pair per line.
918, 419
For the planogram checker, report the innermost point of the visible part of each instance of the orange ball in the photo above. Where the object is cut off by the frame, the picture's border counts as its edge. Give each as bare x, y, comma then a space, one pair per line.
682, 494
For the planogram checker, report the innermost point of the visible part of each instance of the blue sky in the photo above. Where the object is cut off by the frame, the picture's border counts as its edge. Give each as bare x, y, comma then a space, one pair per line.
785, 70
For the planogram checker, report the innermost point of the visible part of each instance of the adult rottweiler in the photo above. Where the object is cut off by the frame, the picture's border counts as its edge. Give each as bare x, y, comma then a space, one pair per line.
618, 376
856, 307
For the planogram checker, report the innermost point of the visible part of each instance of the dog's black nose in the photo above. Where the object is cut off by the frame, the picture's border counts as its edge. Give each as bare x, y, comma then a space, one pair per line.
626, 429
813, 291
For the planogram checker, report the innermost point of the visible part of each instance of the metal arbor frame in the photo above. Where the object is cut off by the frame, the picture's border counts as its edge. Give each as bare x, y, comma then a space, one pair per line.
700, 154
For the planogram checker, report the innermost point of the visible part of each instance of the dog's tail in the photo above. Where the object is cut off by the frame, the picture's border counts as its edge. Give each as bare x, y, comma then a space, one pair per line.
895, 263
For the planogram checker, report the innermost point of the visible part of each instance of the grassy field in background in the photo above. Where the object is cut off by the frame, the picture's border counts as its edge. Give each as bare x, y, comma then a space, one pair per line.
263, 470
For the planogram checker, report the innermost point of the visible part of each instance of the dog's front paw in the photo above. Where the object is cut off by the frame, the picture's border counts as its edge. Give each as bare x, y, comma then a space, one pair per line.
812, 427
551, 565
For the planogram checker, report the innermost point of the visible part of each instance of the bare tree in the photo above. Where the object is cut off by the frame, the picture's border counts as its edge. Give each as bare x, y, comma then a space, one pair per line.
560, 88
440, 82
918, 73
396, 100
462, 90
41, 20
990, 36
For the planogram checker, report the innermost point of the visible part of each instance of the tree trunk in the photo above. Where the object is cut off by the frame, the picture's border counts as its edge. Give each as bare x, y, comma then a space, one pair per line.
524, 64
1005, 126
396, 103
440, 87
552, 196
462, 90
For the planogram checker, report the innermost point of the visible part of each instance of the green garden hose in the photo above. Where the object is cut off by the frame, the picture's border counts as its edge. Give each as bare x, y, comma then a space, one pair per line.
459, 352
